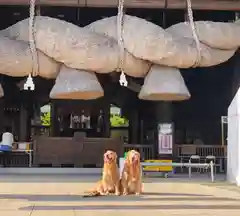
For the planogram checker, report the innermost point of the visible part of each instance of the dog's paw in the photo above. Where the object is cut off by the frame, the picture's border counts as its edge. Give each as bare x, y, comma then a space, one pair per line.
117, 193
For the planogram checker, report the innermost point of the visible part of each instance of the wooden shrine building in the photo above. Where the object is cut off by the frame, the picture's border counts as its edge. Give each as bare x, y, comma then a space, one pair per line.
212, 89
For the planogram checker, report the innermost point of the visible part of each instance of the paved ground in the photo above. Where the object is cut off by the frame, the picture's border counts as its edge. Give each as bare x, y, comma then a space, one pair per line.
61, 196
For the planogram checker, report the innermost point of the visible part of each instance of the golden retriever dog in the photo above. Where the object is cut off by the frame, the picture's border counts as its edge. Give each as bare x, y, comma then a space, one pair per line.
110, 176
131, 180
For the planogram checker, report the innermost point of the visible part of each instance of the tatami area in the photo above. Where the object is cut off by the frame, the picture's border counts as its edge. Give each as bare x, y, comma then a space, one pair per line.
57, 195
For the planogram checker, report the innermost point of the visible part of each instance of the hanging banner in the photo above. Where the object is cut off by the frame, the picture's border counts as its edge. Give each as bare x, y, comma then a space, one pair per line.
165, 138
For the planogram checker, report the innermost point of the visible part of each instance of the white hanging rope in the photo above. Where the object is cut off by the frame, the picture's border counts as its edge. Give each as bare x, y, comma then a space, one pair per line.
29, 83
120, 19
194, 32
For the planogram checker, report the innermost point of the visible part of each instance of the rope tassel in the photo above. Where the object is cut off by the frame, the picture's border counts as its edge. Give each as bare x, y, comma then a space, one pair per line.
123, 81
29, 83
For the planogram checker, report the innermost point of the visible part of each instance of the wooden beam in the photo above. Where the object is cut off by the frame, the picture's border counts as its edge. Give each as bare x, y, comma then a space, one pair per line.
46, 2
101, 3
145, 3
232, 5
63, 2
14, 2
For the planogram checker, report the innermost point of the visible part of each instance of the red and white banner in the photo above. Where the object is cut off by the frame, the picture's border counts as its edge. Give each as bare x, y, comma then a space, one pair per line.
165, 139
165, 144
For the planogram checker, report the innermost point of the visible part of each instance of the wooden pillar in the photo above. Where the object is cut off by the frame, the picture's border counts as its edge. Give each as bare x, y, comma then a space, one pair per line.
23, 124
141, 131
164, 114
134, 127
54, 126
1, 116
106, 120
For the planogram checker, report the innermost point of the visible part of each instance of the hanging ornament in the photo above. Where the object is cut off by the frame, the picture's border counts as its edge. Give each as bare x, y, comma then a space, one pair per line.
29, 84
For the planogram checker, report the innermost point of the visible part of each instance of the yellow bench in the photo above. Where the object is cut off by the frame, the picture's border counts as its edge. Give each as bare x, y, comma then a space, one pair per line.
164, 169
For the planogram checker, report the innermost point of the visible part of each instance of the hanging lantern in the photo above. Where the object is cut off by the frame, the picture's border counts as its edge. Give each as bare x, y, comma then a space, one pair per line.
1, 91
164, 84
76, 84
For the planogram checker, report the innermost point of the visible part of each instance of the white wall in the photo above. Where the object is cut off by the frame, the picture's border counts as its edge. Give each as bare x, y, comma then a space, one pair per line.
233, 153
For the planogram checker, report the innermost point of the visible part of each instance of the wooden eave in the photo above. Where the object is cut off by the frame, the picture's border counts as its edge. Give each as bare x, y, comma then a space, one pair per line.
233, 5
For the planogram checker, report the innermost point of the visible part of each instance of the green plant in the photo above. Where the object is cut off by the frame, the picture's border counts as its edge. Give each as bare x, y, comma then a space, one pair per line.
118, 121
46, 119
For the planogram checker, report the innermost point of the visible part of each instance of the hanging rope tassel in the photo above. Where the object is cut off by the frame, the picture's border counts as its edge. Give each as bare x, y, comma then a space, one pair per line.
29, 83
123, 81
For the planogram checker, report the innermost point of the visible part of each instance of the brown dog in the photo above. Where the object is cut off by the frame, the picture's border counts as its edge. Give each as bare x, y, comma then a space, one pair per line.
110, 176
131, 180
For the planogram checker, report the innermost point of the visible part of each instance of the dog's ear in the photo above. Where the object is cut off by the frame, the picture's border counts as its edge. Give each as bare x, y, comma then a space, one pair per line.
128, 157
138, 155
115, 156
105, 156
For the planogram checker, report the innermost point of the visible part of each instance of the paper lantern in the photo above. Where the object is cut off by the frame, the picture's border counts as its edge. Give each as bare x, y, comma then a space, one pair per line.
164, 84
76, 84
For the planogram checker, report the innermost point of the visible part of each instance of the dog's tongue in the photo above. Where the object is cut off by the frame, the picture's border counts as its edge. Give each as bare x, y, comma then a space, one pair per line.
106, 158
134, 159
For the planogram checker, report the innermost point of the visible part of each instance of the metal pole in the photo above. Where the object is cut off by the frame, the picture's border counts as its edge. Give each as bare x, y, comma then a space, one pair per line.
190, 170
212, 171
222, 131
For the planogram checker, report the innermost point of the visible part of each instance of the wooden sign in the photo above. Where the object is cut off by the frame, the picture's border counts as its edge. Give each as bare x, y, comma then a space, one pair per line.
165, 138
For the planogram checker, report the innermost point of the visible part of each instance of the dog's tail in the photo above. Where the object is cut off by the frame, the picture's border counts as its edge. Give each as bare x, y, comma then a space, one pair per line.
95, 191
92, 194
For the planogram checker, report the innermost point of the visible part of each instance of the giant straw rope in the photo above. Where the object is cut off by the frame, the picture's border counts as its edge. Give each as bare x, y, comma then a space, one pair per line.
95, 48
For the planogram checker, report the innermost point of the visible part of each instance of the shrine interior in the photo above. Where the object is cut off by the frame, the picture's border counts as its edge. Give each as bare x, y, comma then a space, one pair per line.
211, 88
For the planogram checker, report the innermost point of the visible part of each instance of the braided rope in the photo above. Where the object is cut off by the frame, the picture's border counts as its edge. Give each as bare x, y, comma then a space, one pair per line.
32, 42
120, 21
194, 32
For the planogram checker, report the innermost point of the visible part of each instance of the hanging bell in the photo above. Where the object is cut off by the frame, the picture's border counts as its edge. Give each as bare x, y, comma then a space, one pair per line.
1, 91
164, 84
76, 84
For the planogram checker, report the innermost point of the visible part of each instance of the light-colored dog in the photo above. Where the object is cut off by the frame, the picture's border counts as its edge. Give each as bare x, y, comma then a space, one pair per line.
131, 180
110, 176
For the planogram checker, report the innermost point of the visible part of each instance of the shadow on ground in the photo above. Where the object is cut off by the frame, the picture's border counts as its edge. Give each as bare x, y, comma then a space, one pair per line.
49, 178
131, 207
75, 178
145, 197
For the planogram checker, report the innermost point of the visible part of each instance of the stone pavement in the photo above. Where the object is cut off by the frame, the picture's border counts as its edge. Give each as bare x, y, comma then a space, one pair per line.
59, 195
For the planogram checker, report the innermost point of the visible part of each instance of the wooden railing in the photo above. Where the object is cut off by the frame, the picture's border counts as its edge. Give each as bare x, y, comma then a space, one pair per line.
201, 150
146, 151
